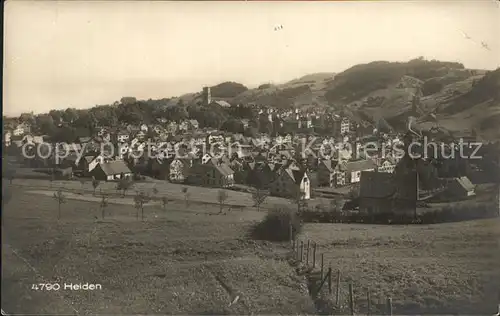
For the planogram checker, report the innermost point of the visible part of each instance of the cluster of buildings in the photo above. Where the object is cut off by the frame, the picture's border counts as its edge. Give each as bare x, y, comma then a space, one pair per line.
286, 165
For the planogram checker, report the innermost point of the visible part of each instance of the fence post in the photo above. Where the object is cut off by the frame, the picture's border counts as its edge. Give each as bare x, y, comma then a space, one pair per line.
298, 250
389, 306
351, 299
330, 280
301, 250
322, 267
369, 302
307, 253
290, 230
314, 255
338, 288
293, 244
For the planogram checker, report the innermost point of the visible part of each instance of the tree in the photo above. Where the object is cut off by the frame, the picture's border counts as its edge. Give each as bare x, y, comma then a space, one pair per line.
221, 198
353, 192
186, 192
300, 201
45, 124
52, 176
70, 115
140, 199
258, 197
61, 199
28, 118
155, 191
233, 125
95, 184
56, 116
104, 204
128, 100
10, 174
164, 202
124, 185
82, 182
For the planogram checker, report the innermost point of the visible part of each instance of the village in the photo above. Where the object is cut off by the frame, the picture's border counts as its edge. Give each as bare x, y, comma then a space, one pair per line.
355, 158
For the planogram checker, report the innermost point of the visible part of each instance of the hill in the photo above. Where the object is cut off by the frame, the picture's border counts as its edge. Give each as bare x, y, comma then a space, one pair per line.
461, 99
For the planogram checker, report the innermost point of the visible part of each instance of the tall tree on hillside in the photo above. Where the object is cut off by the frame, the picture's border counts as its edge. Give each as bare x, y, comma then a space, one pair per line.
28, 118
70, 115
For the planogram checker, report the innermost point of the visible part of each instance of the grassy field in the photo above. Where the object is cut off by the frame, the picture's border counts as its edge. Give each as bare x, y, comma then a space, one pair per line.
176, 261
436, 269
191, 260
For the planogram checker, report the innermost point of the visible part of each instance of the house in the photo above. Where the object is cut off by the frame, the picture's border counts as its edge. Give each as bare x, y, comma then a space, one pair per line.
123, 136
83, 140
160, 168
144, 128
21, 129
305, 122
261, 174
354, 169
386, 165
460, 187
179, 170
382, 192
213, 174
92, 162
113, 170
7, 137
193, 125
345, 126
172, 127
291, 184
331, 173
221, 103
245, 123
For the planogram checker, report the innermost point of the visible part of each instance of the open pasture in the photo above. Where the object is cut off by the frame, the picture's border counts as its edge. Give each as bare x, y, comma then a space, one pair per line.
191, 261
443, 268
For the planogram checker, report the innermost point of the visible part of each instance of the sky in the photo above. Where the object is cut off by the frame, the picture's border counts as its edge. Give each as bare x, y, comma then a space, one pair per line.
83, 53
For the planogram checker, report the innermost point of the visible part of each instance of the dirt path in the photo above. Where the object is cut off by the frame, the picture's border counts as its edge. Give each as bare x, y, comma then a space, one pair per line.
73, 196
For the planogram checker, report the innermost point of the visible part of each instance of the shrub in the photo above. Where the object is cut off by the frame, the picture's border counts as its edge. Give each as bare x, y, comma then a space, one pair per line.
276, 226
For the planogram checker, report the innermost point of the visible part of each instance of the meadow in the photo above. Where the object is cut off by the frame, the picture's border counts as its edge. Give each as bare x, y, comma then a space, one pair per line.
447, 268
189, 259
178, 260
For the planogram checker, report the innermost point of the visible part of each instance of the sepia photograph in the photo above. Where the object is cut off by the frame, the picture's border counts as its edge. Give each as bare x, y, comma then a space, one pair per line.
251, 158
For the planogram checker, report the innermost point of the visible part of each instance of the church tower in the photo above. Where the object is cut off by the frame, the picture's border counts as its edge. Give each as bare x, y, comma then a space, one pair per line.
207, 98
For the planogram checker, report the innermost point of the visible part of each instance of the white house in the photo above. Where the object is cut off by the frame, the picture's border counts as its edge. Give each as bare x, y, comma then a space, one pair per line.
123, 137
345, 126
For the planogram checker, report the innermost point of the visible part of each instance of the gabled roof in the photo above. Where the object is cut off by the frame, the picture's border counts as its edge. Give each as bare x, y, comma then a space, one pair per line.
223, 168
377, 185
295, 175
360, 165
465, 183
222, 103
114, 167
327, 164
